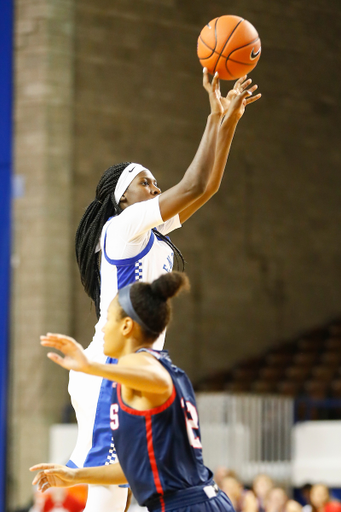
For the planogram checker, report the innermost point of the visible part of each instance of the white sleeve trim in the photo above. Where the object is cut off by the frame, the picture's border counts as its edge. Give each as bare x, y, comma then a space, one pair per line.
128, 232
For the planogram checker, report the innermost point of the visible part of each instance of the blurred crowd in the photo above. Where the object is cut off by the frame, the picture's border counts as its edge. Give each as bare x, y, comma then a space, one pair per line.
58, 499
265, 496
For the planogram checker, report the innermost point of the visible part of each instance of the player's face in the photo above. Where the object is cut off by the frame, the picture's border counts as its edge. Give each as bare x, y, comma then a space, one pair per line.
114, 341
143, 187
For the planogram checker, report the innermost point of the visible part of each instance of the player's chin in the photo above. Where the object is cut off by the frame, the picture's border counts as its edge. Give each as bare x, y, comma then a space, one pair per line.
106, 348
109, 350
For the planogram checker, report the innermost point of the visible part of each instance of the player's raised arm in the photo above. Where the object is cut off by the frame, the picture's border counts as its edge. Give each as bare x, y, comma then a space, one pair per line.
56, 475
195, 180
234, 107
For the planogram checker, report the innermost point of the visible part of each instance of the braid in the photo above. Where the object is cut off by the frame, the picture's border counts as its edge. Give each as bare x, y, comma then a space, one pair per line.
90, 228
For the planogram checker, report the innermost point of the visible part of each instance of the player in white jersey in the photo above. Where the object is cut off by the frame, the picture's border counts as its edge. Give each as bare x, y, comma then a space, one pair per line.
122, 238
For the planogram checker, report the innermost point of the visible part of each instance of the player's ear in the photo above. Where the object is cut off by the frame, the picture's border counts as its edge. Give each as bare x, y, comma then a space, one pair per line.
127, 326
123, 199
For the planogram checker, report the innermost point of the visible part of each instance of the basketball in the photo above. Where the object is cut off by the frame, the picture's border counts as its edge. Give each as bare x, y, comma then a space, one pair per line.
229, 45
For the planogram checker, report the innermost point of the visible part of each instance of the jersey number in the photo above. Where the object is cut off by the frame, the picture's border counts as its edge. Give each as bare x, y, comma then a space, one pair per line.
192, 424
114, 417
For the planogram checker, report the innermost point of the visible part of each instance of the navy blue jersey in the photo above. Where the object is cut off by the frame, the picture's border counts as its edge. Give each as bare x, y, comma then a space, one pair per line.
160, 449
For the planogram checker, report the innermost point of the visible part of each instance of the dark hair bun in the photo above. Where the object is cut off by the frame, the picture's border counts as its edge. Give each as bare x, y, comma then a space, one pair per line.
169, 285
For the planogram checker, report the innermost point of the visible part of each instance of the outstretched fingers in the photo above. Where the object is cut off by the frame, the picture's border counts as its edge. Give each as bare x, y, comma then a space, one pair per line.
58, 341
206, 80
252, 99
39, 467
58, 337
214, 84
52, 475
213, 89
41, 479
43, 482
47, 342
240, 81
242, 84
56, 359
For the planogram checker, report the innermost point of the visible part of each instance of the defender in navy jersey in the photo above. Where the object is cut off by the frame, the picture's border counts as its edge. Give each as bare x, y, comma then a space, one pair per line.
153, 414
166, 446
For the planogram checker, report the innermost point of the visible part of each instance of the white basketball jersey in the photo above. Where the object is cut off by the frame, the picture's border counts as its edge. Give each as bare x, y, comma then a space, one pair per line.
130, 252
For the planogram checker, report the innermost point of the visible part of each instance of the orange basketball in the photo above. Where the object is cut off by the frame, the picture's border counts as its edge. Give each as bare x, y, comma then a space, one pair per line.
229, 45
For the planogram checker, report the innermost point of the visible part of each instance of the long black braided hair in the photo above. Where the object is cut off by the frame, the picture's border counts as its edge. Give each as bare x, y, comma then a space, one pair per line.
90, 228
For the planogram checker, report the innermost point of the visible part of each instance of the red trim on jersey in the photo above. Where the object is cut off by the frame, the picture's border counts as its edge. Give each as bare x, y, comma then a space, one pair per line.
152, 460
163, 506
147, 412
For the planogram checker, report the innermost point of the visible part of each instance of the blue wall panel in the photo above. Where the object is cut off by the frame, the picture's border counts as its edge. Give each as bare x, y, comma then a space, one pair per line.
6, 84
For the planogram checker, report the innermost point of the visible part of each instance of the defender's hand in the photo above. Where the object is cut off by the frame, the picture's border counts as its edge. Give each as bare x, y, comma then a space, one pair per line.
75, 358
53, 475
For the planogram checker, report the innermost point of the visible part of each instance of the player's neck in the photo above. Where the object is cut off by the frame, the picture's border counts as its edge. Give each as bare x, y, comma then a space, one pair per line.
134, 344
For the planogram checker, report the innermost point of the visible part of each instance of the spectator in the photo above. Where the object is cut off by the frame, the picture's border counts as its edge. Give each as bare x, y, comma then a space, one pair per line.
250, 503
220, 473
305, 493
321, 501
262, 484
276, 500
242, 499
293, 506
59, 500
234, 490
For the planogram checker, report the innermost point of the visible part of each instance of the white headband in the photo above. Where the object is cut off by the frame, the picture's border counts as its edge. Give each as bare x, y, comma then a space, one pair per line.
127, 176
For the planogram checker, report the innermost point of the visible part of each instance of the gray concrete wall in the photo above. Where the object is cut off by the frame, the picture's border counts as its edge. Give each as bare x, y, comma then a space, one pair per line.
42, 235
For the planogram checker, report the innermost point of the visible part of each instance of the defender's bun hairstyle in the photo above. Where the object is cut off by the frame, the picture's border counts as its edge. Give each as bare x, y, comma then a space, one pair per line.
169, 285
151, 301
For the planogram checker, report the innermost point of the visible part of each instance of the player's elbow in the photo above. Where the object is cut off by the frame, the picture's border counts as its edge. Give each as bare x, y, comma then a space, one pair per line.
198, 189
212, 189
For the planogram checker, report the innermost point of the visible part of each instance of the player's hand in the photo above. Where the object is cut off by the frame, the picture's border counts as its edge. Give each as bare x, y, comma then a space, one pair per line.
53, 475
75, 358
214, 94
239, 97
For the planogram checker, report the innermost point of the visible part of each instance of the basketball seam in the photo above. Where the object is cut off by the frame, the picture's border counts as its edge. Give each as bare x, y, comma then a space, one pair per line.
215, 45
236, 61
229, 72
213, 51
226, 58
235, 28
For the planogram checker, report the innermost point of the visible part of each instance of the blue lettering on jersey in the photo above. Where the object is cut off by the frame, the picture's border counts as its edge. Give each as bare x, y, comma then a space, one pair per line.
168, 267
